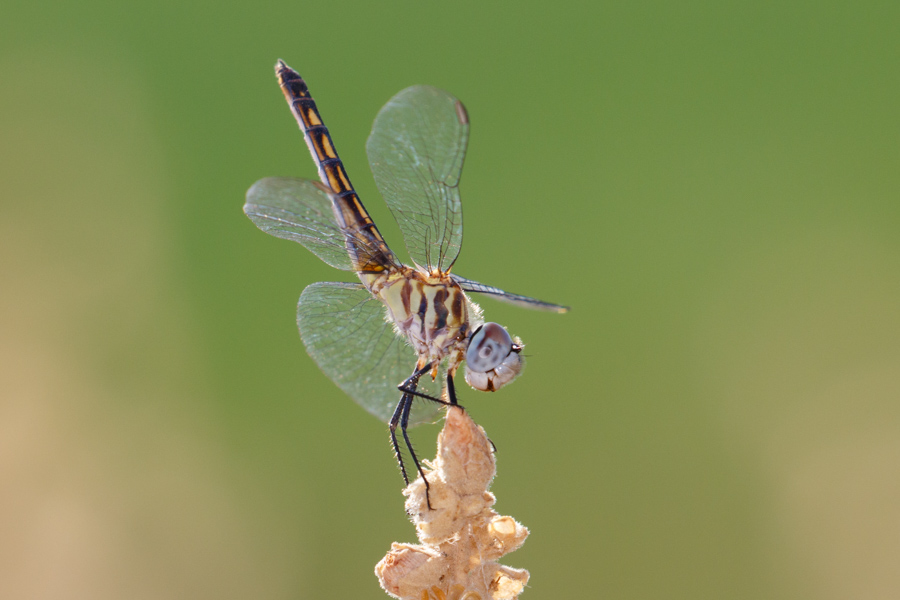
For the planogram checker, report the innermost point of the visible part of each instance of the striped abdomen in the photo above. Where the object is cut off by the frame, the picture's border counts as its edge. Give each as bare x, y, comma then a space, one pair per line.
372, 255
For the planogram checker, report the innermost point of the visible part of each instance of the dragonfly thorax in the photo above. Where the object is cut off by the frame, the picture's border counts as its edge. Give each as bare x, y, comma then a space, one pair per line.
430, 310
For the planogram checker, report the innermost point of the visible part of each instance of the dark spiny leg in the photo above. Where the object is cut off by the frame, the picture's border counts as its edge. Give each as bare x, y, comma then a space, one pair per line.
451, 389
412, 392
404, 421
406, 388
401, 418
395, 420
409, 385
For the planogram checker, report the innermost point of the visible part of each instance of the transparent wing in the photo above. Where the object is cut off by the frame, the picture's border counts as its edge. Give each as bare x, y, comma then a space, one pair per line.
524, 301
300, 210
346, 333
416, 151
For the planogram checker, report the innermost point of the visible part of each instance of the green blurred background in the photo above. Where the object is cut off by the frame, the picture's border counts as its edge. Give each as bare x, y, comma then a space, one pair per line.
712, 186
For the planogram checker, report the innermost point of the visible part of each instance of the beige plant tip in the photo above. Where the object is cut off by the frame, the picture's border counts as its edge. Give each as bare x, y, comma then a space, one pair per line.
461, 536
504, 526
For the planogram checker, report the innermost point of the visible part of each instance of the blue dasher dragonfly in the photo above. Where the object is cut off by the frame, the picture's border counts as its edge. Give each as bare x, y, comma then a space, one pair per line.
402, 331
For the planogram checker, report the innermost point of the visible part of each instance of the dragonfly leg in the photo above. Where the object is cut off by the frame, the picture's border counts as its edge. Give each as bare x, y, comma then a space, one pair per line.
401, 418
412, 392
395, 420
406, 388
409, 384
451, 389
404, 422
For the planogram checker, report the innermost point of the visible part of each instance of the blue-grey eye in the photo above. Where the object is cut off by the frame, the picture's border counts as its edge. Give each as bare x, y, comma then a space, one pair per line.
489, 346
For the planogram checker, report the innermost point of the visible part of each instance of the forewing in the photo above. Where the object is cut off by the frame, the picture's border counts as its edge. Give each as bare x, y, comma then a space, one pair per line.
416, 151
345, 331
524, 301
300, 210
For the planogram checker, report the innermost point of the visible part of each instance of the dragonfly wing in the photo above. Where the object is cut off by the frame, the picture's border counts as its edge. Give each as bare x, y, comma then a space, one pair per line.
345, 331
524, 301
416, 151
301, 210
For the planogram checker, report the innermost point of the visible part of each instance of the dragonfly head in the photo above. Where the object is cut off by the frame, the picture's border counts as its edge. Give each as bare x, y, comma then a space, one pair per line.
493, 358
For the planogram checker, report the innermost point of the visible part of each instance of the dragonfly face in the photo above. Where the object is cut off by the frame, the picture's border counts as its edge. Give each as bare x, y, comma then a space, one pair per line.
402, 331
492, 358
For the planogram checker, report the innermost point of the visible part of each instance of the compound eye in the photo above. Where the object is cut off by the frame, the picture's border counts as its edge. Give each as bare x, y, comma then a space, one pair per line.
488, 348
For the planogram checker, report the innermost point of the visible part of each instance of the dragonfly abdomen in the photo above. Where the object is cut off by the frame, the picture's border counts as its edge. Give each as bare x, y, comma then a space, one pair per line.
350, 213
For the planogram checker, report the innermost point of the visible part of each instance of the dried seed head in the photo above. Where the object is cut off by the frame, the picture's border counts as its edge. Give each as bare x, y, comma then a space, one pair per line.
462, 537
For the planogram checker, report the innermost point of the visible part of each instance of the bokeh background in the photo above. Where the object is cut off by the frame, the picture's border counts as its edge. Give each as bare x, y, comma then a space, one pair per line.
712, 186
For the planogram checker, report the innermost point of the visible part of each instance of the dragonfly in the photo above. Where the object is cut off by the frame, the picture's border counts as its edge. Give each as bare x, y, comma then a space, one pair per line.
402, 331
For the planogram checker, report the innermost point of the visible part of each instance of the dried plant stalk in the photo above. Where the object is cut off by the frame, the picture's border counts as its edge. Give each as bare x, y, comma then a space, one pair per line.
462, 537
